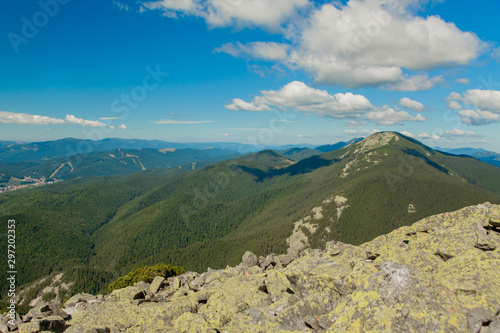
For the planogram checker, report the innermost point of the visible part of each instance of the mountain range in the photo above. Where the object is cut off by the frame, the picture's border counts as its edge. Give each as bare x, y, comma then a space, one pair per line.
97, 228
481, 154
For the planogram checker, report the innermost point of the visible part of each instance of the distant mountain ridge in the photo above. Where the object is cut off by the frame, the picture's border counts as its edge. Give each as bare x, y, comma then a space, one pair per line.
116, 162
11, 151
489, 157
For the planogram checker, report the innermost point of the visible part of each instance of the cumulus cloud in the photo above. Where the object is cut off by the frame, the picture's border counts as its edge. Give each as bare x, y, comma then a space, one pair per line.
478, 117
432, 137
445, 136
460, 133
354, 123
122, 126
28, 119
239, 104
463, 80
454, 105
82, 122
480, 107
108, 118
411, 104
411, 135
361, 132
265, 51
483, 99
454, 96
302, 98
366, 43
172, 121
389, 116
424, 136
223, 134
269, 14
359, 43
416, 82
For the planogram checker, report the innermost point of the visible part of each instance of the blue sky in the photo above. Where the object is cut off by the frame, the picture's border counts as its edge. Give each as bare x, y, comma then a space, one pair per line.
252, 71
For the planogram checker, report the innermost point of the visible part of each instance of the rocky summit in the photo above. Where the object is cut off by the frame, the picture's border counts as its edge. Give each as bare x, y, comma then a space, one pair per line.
442, 274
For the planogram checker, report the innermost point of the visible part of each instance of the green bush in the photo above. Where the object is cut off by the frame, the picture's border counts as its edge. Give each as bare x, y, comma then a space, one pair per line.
147, 274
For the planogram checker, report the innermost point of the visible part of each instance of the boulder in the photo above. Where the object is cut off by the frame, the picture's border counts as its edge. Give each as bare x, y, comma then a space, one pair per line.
42, 311
50, 323
176, 283
144, 286
157, 284
80, 298
128, 293
249, 259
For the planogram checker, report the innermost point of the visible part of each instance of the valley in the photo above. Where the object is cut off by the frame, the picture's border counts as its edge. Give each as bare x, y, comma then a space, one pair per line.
97, 228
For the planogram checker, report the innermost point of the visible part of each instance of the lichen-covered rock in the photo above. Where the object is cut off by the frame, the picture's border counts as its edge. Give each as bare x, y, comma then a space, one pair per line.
157, 283
128, 293
249, 259
46, 324
438, 275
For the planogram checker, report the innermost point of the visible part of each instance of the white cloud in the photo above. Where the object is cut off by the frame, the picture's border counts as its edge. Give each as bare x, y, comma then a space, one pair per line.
411, 135
122, 126
266, 51
108, 118
454, 105
172, 121
359, 43
478, 117
483, 99
269, 14
27, 119
454, 133
365, 43
432, 137
239, 104
361, 132
354, 123
485, 102
389, 116
460, 133
411, 104
416, 82
454, 96
122, 6
82, 122
424, 136
302, 98
463, 80
223, 134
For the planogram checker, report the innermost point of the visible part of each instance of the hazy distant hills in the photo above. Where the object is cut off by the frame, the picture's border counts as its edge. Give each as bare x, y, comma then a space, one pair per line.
116, 162
263, 202
74, 158
481, 154
39, 151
